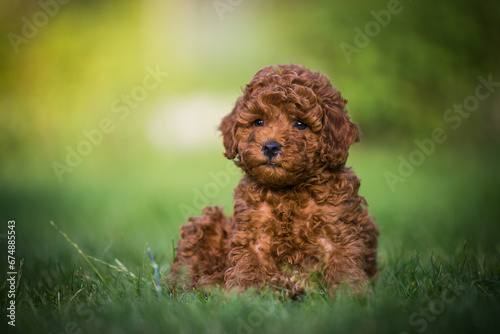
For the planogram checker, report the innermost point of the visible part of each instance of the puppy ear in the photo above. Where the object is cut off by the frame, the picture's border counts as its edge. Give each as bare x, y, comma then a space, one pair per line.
338, 133
227, 128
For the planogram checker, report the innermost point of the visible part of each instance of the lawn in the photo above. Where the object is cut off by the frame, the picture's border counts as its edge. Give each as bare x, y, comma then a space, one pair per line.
438, 254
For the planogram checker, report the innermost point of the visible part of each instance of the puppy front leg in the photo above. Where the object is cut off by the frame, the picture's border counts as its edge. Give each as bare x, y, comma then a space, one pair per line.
247, 266
344, 265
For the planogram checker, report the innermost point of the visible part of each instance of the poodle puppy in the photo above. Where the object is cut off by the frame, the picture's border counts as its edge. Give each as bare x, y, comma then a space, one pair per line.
298, 221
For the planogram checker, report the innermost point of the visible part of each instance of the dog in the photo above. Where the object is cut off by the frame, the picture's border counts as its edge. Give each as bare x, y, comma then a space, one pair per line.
298, 222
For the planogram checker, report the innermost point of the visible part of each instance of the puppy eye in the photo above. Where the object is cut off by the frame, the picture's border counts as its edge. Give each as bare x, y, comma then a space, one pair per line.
299, 125
258, 122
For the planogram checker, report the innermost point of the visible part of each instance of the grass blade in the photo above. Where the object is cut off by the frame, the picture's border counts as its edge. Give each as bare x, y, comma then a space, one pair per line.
78, 249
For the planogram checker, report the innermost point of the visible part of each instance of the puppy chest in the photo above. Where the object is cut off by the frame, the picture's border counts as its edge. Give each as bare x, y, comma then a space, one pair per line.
287, 236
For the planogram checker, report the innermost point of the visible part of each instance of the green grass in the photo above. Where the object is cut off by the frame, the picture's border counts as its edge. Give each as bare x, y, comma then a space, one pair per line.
458, 294
438, 254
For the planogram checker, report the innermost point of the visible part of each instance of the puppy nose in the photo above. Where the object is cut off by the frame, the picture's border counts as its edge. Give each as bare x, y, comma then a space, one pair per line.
271, 149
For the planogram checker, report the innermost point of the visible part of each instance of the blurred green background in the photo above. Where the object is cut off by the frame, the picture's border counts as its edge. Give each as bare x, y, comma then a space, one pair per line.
66, 68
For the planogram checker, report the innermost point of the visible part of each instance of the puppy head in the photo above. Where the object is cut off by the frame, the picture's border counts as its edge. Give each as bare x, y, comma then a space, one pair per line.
289, 125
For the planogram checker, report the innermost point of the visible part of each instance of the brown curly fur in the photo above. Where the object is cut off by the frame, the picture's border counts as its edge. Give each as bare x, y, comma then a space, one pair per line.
298, 220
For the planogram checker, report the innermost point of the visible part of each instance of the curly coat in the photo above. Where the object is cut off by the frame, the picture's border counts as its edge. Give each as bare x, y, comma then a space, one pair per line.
298, 220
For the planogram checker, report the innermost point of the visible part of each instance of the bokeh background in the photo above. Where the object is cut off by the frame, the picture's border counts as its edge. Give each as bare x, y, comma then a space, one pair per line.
162, 161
